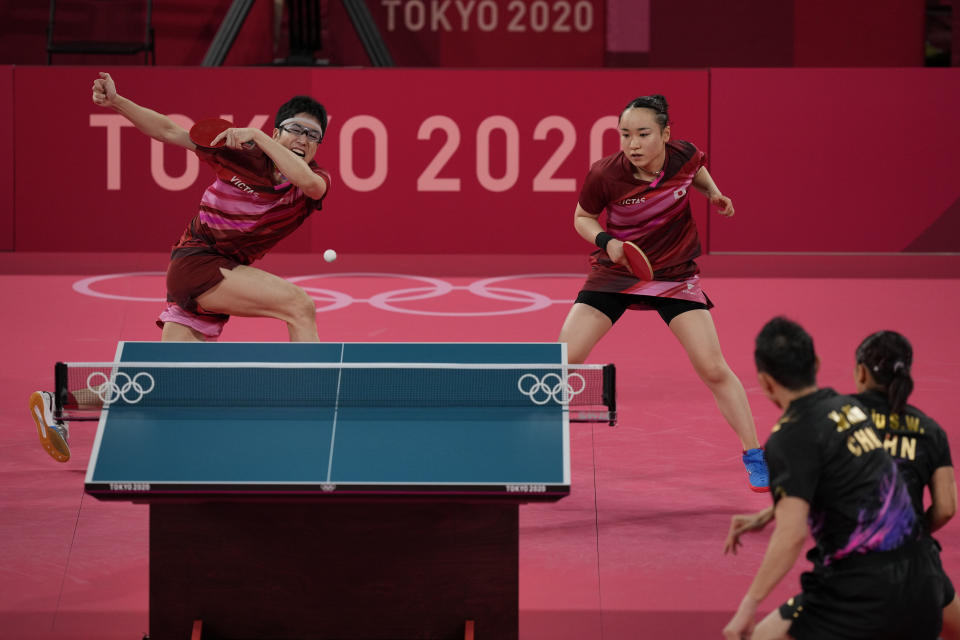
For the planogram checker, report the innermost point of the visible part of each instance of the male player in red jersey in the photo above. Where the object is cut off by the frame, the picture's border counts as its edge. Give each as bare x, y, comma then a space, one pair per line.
645, 190
266, 186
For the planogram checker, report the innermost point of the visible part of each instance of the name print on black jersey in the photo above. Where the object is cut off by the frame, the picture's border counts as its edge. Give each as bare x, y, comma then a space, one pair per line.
865, 438
862, 438
898, 445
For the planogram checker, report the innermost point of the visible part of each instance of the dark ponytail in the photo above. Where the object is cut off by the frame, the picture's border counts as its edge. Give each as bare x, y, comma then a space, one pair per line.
889, 356
656, 102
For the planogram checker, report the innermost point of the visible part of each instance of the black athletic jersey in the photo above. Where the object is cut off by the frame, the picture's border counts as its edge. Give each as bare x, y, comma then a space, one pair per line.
825, 450
915, 441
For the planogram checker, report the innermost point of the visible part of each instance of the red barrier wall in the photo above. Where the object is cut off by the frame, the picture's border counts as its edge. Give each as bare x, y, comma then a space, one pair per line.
445, 161
698, 33
423, 161
183, 32
6, 158
858, 34
484, 33
845, 160
682, 33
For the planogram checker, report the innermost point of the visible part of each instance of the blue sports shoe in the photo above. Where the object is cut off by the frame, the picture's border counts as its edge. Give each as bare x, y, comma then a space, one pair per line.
757, 474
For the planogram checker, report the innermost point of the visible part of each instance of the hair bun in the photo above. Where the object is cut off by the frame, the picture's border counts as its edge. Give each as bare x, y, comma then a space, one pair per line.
660, 102
656, 103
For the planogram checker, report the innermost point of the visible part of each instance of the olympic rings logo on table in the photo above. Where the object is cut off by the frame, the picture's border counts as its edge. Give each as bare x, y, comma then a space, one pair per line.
132, 390
551, 386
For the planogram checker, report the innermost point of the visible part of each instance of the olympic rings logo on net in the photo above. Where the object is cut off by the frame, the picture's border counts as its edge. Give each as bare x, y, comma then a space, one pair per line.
132, 390
551, 386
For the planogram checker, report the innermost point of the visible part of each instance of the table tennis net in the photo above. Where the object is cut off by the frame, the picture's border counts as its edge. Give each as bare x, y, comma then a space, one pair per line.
583, 389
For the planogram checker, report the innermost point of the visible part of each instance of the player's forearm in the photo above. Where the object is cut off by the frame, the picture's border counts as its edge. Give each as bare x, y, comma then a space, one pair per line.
934, 521
703, 182
294, 168
938, 515
587, 226
943, 498
765, 516
156, 125
786, 544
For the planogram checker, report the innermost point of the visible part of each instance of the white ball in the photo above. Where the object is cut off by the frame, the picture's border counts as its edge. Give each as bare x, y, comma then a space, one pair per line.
329, 255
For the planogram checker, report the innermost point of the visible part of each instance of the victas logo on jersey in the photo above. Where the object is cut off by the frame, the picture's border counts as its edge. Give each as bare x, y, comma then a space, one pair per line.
240, 184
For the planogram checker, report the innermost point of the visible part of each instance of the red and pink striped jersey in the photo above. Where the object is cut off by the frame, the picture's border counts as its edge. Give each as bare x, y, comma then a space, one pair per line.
243, 214
656, 217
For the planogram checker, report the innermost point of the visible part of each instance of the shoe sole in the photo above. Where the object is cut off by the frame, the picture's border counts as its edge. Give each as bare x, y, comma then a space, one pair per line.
53, 443
759, 489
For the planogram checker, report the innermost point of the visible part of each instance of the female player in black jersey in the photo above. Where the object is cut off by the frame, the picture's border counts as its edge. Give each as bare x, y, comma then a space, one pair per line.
916, 442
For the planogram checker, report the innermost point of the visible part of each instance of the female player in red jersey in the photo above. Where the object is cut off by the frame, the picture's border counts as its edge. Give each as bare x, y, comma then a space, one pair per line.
645, 191
266, 186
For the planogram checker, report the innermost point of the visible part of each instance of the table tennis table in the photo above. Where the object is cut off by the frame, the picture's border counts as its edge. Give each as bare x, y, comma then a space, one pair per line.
335, 490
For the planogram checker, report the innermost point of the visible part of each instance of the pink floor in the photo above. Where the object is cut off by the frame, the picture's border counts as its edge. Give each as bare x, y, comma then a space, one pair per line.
634, 552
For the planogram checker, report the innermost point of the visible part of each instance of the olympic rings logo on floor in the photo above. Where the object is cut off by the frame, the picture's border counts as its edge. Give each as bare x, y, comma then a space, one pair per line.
551, 386
132, 390
524, 300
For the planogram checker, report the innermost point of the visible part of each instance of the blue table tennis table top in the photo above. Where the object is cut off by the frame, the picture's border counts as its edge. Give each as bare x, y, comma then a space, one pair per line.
147, 453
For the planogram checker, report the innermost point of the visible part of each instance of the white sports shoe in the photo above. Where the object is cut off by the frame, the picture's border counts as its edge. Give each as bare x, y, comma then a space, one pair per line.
54, 435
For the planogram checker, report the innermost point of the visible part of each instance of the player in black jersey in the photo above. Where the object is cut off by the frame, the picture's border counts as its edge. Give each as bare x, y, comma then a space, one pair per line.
872, 578
915, 441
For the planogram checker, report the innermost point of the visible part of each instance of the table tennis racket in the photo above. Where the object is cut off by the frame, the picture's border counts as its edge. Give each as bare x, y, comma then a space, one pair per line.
637, 260
204, 131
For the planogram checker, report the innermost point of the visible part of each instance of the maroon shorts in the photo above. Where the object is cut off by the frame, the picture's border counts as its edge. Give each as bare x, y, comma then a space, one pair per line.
190, 276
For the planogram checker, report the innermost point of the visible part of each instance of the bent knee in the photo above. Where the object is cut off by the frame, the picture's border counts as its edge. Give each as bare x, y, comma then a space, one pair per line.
714, 372
299, 305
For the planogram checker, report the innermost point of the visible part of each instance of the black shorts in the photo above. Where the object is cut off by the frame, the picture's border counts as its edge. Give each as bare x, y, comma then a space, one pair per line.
949, 593
613, 304
894, 595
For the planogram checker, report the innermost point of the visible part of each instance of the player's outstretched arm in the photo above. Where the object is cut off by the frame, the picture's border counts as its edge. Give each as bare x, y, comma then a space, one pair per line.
703, 182
156, 125
786, 543
742, 523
